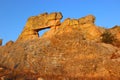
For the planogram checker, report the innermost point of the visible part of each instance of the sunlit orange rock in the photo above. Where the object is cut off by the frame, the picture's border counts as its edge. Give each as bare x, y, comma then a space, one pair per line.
70, 50
37, 23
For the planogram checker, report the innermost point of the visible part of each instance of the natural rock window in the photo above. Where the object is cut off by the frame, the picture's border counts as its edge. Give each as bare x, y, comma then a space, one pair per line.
38, 23
41, 32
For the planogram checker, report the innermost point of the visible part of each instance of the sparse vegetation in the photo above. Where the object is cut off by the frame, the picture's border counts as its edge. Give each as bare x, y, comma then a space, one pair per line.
0, 42
107, 37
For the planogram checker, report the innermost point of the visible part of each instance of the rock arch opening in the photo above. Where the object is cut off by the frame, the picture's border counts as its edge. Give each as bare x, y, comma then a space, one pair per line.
42, 31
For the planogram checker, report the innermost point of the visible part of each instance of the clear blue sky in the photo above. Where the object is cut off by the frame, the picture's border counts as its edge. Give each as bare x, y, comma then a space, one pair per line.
14, 13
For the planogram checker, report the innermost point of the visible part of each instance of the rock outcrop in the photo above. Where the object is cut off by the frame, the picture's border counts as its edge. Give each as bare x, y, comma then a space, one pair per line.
90, 30
9, 43
37, 23
116, 32
85, 26
70, 50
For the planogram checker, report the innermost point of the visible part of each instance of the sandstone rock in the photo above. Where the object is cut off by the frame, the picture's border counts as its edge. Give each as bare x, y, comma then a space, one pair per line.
65, 56
66, 22
116, 32
73, 22
68, 51
89, 30
101, 29
90, 19
118, 36
69, 22
9, 43
36, 23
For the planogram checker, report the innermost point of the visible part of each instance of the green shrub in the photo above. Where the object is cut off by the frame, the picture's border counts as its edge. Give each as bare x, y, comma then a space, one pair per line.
107, 37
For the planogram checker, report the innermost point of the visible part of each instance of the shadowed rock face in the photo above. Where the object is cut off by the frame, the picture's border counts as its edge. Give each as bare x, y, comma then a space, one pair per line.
70, 50
37, 23
0, 42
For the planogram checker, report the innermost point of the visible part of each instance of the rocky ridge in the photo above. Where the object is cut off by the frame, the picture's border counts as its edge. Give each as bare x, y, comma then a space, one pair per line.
36, 23
71, 50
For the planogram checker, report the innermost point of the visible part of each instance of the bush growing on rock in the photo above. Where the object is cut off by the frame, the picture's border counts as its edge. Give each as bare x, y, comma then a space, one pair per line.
107, 37
0, 42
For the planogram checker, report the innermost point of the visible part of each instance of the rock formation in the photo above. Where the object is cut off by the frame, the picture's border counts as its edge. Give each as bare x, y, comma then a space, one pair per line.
116, 32
71, 50
85, 26
9, 43
36, 23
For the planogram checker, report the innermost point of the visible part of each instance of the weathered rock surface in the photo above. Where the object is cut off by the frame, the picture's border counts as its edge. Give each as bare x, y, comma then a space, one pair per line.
36, 23
116, 32
9, 43
71, 50
84, 25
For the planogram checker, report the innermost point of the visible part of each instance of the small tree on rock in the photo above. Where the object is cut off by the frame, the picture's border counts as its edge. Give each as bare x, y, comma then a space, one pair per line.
0, 42
107, 37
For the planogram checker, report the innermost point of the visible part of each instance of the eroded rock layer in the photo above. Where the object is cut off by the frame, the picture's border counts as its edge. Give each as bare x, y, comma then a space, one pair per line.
70, 50
36, 23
